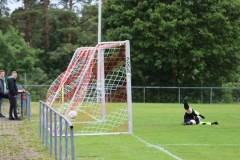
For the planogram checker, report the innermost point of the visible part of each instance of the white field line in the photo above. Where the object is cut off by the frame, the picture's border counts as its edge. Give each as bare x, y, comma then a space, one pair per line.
234, 116
200, 145
158, 147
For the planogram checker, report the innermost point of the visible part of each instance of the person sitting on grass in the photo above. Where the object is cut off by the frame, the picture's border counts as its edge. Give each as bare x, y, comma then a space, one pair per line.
192, 117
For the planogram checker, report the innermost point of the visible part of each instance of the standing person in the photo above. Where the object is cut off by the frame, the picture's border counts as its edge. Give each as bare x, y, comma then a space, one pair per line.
192, 117
13, 92
3, 90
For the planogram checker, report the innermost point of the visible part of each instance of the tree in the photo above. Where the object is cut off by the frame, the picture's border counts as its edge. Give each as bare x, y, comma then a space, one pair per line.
46, 3
56, 30
177, 42
3, 8
82, 31
70, 11
16, 54
4, 16
29, 20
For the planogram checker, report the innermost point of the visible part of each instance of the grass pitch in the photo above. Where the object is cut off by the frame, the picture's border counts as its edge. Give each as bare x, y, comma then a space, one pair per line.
19, 139
158, 134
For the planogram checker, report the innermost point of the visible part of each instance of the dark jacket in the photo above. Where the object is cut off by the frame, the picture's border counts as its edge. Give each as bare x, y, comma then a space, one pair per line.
1, 86
12, 87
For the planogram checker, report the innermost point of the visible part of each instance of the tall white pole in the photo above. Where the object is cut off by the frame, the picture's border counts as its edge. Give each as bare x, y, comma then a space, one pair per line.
100, 70
101, 53
99, 20
129, 87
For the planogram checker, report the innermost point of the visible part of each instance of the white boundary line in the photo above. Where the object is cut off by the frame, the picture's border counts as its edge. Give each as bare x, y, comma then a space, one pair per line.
157, 147
172, 155
200, 145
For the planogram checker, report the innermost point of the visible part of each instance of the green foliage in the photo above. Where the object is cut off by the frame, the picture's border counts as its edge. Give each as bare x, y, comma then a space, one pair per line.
83, 33
3, 8
33, 79
62, 51
173, 42
28, 25
83, 30
177, 42
5, 23
30, 20
16, 54
196, 95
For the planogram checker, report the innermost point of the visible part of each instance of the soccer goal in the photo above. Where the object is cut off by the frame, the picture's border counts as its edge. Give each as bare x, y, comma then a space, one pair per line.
95, 90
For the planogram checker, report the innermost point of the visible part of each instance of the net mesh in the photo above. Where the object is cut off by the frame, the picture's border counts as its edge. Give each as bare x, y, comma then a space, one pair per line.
95, 86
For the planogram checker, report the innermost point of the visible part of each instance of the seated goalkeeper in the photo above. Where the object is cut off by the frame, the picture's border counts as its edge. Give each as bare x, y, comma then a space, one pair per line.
192, 117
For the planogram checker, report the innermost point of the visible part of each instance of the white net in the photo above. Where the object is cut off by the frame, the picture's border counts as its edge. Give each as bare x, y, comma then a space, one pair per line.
96, 87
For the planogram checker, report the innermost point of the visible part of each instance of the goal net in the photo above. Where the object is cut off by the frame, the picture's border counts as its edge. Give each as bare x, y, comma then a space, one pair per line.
94, 92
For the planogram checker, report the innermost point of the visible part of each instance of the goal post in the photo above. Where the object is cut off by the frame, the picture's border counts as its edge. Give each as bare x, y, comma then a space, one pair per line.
101, 82
129, 86
97, 85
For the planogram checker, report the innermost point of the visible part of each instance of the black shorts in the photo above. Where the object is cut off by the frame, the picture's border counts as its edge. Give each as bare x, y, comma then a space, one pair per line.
196, 119
187, 120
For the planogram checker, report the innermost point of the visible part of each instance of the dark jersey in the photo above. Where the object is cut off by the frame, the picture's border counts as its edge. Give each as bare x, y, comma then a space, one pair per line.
189, 116
192, 116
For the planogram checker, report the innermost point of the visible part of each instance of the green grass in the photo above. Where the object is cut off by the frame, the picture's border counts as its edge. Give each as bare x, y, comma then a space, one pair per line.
160, 125
21, 139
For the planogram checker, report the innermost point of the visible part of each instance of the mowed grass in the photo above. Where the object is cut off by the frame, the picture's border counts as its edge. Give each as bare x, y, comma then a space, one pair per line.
21, 140
158, 134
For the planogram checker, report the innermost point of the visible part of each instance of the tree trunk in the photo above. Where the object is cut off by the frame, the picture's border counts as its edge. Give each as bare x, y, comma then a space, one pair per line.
46, 3
70, 26
28, 38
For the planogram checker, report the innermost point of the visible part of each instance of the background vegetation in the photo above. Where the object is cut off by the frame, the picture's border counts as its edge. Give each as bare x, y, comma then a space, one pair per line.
173, 42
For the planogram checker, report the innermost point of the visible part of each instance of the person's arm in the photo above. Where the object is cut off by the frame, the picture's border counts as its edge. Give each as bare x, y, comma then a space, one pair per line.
11, 87
202, 116
196, 113
1, 87
21, 91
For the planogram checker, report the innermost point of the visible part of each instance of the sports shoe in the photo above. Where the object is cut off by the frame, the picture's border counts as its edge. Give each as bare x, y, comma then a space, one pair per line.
17, 119
187, 123
1, 115
185, 100
216, 123
11, 118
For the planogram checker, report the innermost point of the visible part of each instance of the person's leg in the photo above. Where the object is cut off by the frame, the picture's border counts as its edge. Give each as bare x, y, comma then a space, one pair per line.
189, 122
208, 123
189, 110
15, 108
193, 121
188, 115
1, 108
186, 106
11, 101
